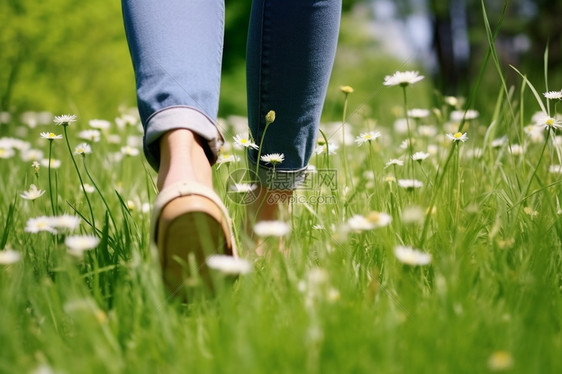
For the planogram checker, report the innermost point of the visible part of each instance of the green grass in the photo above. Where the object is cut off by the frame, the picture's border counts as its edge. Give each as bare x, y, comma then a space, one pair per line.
337, 303
340, 301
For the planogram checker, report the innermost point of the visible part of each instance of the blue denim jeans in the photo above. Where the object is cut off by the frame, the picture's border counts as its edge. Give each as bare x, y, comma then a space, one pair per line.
176, 48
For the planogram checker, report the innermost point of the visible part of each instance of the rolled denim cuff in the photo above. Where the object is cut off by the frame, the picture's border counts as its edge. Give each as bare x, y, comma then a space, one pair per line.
181, 117
278, 178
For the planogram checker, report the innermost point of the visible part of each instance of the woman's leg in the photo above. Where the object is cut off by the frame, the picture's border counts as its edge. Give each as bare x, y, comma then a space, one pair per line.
176, 49
291, 50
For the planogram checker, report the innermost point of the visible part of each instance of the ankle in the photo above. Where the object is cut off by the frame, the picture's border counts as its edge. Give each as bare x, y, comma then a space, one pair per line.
183, 158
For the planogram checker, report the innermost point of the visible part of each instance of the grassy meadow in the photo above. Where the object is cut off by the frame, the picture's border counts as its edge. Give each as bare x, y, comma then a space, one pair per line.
429, 242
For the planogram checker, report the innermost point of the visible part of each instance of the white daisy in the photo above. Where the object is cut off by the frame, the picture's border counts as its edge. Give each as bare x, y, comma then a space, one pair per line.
50, 136
547, 122
9, 256
243, 187
54, 163
331, 147
89, 188
42, 223
92, 135
226, 159
496, 143
458, 115
420, 156
129, 151
271, 228
229, 265
516, 149
65, 119
273, 158
394, 162
83, 149
553, 95
66, 221
402, 78
367, 137
244, 142
99, 124
451, 100
32, 155
411, 256
418, 113
555, 169
77, 244
410, 184
7, 152
427, 131
33, 193
458, 136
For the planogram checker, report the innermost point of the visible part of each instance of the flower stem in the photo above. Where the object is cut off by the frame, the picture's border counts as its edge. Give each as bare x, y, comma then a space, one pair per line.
259, 149
80, 177
98, 190
343, 145
53, 208
410, 146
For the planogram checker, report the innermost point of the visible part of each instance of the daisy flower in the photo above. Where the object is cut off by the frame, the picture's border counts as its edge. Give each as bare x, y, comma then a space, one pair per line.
553, 95
346, 89
403, 79
53, 163
243, 187
42, 223
65, 119
226, 159
410, 184
89, 188
547, 122
32, 155
229, 265
458, 136
83, 149
371, 221
458, 115
6, 152
411, 256
500, 361
33, 193
77, 244
50, 136
130, 151
394, 162
66, 221
271, 228
244, 142
496, 143
331, 147
555, 169
367, 137
418, 113
420, 156
273, 158
91, 135
99, 124
9, 256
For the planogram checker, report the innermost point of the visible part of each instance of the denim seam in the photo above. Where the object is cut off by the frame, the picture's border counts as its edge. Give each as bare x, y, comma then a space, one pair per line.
214, 123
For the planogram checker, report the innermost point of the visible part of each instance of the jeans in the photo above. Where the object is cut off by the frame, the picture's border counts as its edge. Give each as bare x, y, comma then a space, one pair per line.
176, 50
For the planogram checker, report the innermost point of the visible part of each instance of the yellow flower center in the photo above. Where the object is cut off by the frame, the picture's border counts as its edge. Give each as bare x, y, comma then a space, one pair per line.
51, 135
457, 135
373, 217
550, 121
